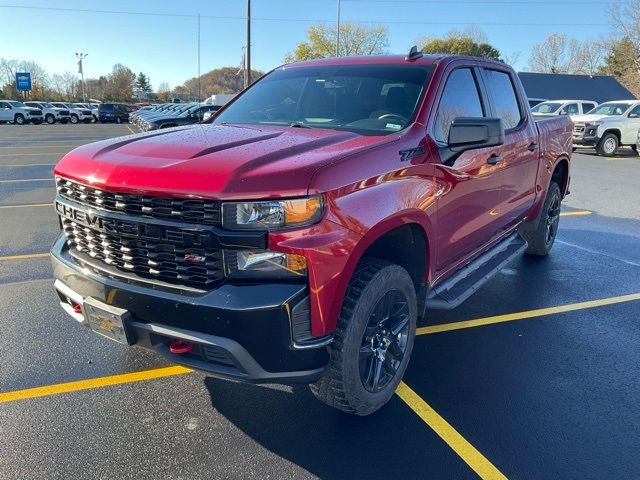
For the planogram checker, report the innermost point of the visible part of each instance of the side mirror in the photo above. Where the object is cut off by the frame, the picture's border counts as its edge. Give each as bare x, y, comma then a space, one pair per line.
563, 112
470, 133
634, 115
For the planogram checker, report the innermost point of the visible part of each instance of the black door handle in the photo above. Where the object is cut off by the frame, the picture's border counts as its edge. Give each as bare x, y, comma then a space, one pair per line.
493, 159
532, 147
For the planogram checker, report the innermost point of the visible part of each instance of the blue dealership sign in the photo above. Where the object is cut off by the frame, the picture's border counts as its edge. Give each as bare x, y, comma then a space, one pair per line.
23, 81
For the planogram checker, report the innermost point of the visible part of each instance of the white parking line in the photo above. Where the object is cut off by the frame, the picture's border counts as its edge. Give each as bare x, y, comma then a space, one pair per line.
28, 180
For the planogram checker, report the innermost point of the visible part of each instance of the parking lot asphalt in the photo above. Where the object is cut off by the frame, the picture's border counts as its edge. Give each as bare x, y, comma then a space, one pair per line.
535, 376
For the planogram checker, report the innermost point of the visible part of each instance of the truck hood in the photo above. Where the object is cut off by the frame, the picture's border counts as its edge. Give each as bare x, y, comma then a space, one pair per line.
214, 161
589, 118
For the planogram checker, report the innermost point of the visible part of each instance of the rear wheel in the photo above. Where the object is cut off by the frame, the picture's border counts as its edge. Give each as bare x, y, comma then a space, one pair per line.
373, 339
19, 119
542, 238
608, 145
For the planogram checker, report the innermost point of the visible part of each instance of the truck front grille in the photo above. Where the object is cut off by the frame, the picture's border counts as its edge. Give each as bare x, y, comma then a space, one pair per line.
578, 128
203, 212
145, 258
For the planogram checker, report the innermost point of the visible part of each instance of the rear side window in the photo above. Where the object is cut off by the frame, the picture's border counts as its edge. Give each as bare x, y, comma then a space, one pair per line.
571, 109
504, 96
106, 108
460, 98
588, 106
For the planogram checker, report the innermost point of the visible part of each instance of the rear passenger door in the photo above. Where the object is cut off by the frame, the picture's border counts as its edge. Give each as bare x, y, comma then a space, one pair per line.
5, 112
470, 197
519, 154
631, 126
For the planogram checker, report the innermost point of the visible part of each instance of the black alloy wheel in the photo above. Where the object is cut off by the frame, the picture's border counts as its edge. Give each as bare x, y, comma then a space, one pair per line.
384, 342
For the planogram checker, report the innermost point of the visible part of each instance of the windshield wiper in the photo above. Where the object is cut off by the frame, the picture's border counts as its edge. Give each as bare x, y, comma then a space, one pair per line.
299, 125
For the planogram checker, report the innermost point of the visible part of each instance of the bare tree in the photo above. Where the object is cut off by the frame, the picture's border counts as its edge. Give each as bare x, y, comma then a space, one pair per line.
70, 81
511, 58
551, 55
590, 56
625, 18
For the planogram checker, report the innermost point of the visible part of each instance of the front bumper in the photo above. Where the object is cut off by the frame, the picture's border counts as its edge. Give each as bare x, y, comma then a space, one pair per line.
238, 331
587, 138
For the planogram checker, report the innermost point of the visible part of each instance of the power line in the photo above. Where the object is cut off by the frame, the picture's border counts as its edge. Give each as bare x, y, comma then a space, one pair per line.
310, 20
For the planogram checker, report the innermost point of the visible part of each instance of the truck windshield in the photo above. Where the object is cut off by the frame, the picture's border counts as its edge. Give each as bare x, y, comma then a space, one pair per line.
546, 107
16, 104
366, 99
611, 109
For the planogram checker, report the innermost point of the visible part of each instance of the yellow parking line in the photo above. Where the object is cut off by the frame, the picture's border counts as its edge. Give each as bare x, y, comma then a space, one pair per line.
28, 205
575, 212
130, 129
24, 257
510, 317
92, 383
467, 452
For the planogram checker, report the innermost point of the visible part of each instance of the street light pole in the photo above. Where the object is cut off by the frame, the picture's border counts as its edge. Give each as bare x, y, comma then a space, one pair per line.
80, 57
338, 32
247, 58
199, 96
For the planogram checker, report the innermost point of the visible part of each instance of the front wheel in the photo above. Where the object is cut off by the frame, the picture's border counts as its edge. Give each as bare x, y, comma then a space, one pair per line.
542, 238
608, 145
373, 339
74, 119
19, 119
118, 120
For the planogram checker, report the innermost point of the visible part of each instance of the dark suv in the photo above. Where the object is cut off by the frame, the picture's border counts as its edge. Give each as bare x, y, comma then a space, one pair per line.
113, 112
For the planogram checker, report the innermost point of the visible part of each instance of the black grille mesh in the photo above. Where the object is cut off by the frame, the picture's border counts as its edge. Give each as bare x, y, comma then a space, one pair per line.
145, 258
203, 212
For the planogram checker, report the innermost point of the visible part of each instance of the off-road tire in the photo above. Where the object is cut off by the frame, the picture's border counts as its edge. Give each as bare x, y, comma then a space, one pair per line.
341, 385
540, 242
19, 119
50, 119
608, 145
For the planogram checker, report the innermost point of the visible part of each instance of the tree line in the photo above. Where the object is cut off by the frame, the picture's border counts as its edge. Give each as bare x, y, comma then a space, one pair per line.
121, 85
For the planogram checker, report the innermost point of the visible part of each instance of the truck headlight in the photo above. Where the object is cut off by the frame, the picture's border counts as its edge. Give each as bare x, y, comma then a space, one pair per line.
263, 264
272, 214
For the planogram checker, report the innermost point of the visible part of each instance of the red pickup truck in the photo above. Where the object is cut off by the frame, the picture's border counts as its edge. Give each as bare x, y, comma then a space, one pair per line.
301, 235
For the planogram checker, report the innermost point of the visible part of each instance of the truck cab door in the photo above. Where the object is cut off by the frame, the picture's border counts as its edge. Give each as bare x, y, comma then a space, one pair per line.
631, 126
5, 112
520, 151
469, 195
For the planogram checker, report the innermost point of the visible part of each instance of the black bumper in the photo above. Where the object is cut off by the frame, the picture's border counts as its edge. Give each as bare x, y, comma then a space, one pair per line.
238, 331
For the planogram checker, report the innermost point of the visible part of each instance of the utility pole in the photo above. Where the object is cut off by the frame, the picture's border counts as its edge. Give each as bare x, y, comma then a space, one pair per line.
247, 58
338, 32
80, 57
199, 93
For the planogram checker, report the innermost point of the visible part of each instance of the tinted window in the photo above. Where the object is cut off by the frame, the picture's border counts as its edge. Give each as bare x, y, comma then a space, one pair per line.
501, 89
108, 107
460, 98
368, 99
571, 109
587, 106
635, 110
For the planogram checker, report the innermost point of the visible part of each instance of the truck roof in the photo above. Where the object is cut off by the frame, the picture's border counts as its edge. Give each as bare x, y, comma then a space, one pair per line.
424, 59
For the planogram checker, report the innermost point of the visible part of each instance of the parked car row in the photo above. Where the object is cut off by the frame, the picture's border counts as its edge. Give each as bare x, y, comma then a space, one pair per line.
37, 112
170, 115
604, 127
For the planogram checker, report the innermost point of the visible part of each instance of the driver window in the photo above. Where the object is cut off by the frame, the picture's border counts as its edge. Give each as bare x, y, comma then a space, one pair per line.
460, 98
635, 113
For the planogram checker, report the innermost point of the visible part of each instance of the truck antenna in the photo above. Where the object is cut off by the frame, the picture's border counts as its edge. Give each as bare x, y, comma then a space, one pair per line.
414, 54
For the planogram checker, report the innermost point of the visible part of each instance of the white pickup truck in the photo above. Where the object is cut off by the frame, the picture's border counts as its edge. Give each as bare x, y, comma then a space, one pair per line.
562, 107
609, 126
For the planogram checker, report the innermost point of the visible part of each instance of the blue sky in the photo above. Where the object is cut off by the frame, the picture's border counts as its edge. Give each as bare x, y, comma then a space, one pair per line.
165, 47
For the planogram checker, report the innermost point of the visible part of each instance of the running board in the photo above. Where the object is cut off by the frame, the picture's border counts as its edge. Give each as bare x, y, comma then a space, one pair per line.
464, 282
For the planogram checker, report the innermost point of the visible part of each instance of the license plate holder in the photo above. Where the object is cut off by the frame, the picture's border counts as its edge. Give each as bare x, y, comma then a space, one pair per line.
107, 320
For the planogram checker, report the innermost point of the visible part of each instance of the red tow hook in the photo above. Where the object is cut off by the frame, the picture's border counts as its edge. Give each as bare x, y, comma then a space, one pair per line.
179, 347
77, 308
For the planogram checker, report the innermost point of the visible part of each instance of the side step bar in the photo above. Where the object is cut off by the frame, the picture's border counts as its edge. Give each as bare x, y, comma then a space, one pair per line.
455, 289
